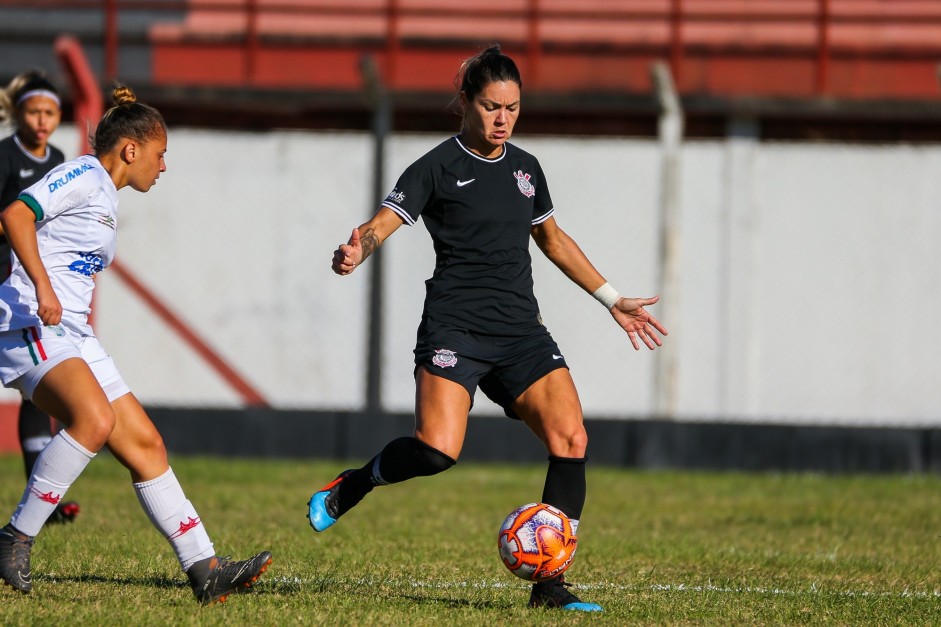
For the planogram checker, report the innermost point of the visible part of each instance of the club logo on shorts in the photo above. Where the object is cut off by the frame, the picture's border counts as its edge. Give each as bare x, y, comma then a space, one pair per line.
444, 358
522, 181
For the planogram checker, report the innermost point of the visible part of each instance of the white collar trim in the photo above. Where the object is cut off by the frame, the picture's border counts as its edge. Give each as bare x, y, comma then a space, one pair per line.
475, 155
16, 140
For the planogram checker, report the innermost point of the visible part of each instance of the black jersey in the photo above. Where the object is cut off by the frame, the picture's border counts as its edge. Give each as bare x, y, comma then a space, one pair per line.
479, 213
18, 170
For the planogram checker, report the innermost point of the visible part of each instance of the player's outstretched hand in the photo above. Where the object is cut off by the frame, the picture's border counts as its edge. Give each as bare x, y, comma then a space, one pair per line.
348, 255
633, 318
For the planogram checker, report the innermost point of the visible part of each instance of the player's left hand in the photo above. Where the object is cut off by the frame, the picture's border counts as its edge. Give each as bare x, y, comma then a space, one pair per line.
637, 321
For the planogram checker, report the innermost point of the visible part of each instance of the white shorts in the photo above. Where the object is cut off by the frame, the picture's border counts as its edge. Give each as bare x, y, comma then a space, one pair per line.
26, 355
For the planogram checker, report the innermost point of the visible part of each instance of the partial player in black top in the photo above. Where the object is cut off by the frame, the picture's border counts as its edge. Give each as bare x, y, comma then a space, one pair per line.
32, 103
482, 199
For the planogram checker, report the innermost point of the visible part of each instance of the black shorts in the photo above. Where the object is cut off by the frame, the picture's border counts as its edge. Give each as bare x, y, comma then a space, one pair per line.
502, 366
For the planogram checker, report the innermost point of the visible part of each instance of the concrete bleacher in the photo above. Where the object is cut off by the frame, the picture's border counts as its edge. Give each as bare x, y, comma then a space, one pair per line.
873, 24
861, 24
876, 49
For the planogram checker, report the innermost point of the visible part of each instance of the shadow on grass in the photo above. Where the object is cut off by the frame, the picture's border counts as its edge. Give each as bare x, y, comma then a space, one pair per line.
153, 582
456, 603
262, 586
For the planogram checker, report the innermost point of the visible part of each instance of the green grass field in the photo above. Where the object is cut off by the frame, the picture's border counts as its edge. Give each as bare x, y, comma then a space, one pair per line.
654, 548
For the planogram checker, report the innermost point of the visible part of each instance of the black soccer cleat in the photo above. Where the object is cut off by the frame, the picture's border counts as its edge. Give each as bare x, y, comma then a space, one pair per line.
555, 593
14, 558
64, 513
215, 578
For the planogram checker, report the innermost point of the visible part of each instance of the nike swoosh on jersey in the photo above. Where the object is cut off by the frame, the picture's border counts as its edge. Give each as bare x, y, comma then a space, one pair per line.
557, 356
24, 173
463, 183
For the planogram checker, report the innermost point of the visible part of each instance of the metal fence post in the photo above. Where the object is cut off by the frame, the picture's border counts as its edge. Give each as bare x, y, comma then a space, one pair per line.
381, 126
671, 135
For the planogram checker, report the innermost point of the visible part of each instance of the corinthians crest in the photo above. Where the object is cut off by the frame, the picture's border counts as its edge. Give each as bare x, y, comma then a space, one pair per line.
444, 358
522, 181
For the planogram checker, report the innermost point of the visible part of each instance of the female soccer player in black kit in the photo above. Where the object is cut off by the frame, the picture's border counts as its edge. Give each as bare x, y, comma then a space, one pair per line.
32, 103
482, 198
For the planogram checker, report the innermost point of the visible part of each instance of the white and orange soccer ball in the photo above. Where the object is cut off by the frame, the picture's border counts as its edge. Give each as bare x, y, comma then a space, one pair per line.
537, 542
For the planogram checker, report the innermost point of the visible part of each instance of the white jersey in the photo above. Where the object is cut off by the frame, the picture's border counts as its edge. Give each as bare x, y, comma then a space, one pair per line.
76, 207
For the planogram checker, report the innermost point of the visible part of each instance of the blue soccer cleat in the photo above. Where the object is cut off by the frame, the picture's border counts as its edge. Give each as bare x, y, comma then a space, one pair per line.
322, 508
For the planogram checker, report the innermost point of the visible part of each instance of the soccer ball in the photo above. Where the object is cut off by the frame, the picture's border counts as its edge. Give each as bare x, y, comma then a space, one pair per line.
537, 542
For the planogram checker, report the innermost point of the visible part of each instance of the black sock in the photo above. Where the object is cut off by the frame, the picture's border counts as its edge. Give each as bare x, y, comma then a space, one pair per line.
355, 486
405, 458
565, 485
34, 424
400, 460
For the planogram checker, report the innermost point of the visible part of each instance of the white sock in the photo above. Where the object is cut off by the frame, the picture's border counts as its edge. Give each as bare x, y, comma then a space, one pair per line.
57, 467
175, 517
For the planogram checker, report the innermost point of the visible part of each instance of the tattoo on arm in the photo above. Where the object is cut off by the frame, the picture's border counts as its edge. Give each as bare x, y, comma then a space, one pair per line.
369, 241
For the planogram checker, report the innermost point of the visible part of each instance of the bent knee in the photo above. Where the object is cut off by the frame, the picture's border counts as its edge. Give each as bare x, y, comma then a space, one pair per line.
572, 442
151, 445
429, 460
93, 430
141, 445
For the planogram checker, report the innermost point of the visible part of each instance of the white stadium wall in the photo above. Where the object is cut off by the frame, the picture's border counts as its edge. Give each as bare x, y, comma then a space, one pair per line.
809, 283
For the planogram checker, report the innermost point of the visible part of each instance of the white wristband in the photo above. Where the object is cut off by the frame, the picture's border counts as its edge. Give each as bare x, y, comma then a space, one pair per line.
606, 295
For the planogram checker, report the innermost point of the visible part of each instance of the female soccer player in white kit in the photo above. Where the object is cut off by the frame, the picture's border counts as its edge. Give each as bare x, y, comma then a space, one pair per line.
31, 103
63, 231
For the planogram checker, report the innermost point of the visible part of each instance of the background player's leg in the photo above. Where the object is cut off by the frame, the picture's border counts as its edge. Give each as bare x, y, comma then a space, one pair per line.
35, 431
